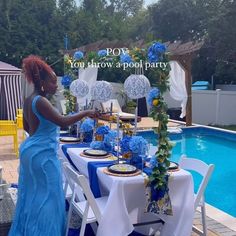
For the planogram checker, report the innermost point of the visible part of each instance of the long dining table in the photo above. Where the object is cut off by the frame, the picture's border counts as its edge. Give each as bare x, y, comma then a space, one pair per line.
127, 199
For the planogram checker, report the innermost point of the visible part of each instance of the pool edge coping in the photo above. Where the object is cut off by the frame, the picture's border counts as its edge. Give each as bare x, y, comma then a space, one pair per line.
221, 217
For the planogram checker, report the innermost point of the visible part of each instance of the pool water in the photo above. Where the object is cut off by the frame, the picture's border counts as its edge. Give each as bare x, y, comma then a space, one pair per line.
213, 147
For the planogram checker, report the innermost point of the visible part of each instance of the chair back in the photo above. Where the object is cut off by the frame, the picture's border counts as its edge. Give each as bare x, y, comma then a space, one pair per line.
203, 169
106, 106
74, 180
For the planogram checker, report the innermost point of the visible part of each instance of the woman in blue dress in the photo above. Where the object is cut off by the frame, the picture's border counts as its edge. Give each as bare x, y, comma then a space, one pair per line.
40, 209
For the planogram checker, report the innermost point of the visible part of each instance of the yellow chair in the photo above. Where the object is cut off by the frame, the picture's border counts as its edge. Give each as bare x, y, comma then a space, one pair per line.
9, 128
19, 118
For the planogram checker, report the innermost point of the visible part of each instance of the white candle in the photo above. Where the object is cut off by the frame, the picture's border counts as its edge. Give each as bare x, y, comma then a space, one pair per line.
135, 120
118, 124
118, 134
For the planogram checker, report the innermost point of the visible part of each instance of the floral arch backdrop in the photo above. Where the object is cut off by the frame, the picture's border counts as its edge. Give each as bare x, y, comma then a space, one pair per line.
154, 58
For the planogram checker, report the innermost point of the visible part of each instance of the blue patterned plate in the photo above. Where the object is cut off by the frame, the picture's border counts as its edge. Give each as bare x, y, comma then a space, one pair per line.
122, 169
95, 152
69, 139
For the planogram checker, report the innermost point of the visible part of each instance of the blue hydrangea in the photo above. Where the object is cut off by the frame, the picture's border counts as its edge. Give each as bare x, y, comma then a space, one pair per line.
87, 125
78, 55
124, 144
152, 58
153, 94
153, 162
99, 145
158, 48
102, 130
137, 144
110, 136
66, 81
125, 58
155, 52
102, 53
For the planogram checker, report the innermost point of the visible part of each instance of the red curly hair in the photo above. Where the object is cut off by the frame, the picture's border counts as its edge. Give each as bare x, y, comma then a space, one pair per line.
36, 69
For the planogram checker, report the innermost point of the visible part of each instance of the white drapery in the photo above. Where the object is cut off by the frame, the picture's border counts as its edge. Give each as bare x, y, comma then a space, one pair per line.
177, 85
88, 74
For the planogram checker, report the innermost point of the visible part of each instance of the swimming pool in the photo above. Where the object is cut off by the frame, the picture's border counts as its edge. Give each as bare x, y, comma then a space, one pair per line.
211, 146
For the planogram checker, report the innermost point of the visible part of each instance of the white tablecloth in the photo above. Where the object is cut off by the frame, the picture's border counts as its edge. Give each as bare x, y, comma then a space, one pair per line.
126, 200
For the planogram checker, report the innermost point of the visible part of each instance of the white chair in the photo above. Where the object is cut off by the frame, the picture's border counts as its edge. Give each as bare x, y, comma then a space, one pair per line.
205, 171
66, 188
82, 200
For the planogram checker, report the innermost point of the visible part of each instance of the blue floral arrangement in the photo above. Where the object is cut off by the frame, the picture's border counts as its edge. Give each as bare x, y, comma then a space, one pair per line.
102, 53
153, 162
78, 55
153, 94
155, 52
137, 144
102, 130
125, 58
124, 144
66, 81
87, 125
109, 138
98, 145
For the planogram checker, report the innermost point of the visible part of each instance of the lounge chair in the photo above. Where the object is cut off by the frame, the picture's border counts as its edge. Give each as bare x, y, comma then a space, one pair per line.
106, 106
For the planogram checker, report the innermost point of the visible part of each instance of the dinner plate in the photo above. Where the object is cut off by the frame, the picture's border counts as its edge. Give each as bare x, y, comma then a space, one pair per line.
69, 139
173, 165
95, 152
64, 132
122, 169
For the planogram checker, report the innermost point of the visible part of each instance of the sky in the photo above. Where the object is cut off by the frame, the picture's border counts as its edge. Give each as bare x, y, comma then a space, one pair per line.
148, 2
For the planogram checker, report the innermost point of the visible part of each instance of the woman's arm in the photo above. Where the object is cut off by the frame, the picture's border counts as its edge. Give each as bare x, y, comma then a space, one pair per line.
25, 124
45, 108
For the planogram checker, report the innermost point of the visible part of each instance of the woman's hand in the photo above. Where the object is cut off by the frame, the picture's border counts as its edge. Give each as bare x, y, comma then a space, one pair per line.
93, 113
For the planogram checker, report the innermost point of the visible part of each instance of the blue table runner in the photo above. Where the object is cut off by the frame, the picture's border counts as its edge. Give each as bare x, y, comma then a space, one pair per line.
73, 145
92, 167
93, 178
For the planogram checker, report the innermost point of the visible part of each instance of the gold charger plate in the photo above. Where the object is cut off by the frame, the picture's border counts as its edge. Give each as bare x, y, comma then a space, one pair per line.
95, 152
106, 171
108, 156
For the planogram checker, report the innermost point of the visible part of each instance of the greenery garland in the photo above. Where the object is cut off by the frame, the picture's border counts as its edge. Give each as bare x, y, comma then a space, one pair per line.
153, 57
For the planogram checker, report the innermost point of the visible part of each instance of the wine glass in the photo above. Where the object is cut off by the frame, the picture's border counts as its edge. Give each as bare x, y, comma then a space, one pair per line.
144, 154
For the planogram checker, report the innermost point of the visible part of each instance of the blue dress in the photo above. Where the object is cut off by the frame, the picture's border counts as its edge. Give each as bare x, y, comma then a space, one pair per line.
40, 208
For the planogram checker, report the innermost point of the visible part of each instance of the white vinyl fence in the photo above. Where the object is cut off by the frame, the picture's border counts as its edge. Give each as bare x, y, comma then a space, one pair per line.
210, 106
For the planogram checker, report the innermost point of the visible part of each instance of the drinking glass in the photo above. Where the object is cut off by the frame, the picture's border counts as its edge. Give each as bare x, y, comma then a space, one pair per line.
144, 155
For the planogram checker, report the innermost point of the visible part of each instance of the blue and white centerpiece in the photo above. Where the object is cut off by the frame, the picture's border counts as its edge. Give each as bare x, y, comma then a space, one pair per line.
136, 86
86, 128
79, 88
133, 148
108, 140
101, 91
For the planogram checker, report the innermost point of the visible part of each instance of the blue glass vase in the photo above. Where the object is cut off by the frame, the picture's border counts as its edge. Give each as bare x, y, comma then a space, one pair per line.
88, 136
136, 160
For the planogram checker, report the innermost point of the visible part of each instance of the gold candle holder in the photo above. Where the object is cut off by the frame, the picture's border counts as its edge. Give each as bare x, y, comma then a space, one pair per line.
127, 155
99, 137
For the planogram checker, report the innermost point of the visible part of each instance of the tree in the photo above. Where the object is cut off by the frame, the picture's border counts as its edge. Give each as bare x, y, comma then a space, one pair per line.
222, 39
